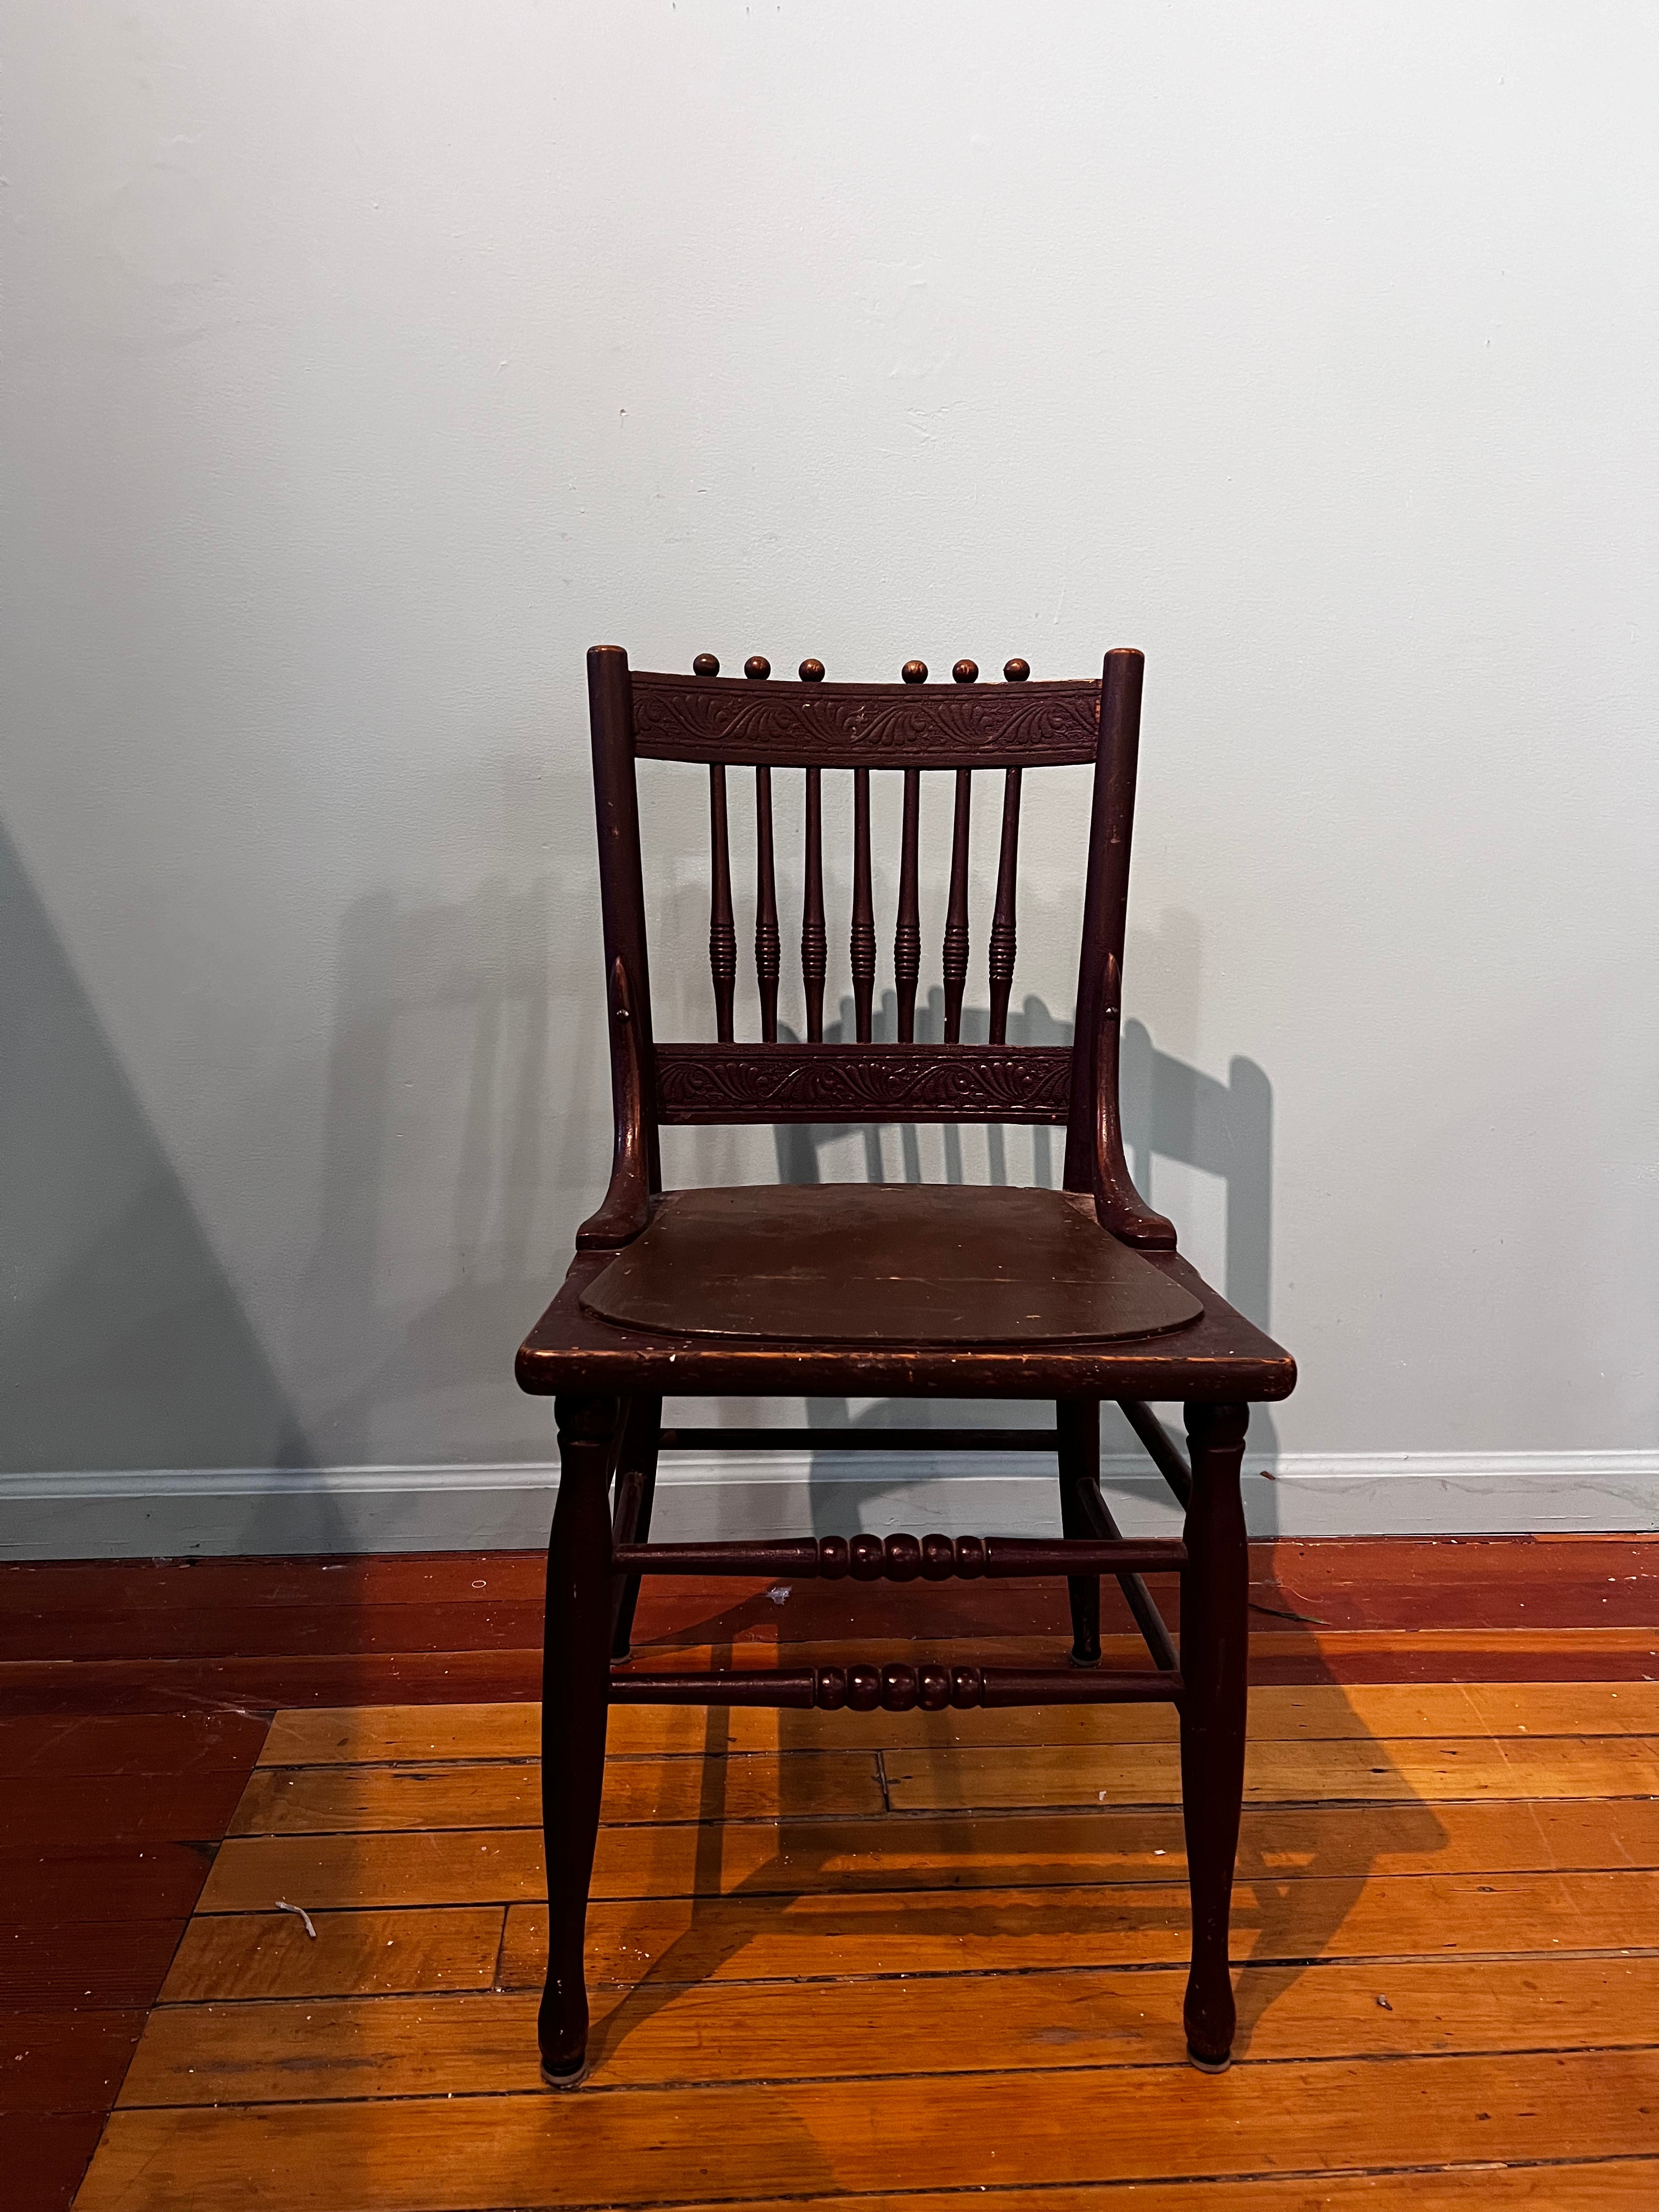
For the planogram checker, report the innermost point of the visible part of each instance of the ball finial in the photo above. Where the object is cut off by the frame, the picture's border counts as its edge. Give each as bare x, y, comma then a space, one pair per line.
1016, 671
966, 672
811, 671
915, 671
705, 664
757, 668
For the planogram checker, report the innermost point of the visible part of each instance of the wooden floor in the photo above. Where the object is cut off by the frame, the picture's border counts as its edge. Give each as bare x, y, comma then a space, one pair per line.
901, 1955
873, 1957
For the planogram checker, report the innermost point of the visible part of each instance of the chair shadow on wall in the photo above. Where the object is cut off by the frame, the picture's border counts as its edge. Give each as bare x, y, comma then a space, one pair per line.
436, 1143
436, 1135
1170, 1109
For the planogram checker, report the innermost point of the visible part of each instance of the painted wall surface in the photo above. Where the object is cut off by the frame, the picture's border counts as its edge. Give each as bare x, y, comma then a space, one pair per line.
365, 364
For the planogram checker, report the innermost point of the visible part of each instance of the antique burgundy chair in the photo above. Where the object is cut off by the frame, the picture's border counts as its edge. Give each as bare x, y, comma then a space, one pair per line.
1074, 1295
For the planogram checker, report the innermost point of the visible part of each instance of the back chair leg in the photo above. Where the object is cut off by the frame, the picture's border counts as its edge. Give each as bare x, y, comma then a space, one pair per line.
1214, 1656
576, 1704
636, 1491
1078, 1420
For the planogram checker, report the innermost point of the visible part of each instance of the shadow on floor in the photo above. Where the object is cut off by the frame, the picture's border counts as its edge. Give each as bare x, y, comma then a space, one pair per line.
1291, 1894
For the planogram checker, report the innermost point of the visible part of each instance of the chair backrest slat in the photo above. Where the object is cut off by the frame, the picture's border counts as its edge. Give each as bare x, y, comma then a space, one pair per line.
722, 932
702, 1083
766, 953
956, 913
814, 945
863, 946
691, 718
907, 932
1003, 935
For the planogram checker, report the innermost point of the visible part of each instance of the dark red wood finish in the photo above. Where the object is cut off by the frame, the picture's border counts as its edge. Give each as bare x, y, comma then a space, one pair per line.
1004, 934
767, 950
814, 943
908, 1293
1215, 1659
575, 1700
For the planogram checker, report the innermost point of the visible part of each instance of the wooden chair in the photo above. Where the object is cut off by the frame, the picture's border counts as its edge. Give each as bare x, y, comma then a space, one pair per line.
1075, 1295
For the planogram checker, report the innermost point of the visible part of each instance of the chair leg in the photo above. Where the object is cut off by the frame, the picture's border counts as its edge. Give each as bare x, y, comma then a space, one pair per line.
1078, 1420
1214, 1656
575, 1703
636, 1491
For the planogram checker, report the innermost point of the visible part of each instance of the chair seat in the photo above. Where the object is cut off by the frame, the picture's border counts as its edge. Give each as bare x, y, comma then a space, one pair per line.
853, 1263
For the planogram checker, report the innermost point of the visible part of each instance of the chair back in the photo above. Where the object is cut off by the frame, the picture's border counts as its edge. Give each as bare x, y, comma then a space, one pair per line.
911, 728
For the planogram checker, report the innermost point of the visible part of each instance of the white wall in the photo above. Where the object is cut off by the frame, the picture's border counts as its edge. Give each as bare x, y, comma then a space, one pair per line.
366, 363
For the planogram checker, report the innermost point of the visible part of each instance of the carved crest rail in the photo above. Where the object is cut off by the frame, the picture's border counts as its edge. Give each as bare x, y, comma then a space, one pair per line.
731, 718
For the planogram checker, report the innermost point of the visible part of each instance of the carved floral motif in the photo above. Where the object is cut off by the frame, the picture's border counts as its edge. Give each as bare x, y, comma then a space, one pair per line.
862, 1083
677, 718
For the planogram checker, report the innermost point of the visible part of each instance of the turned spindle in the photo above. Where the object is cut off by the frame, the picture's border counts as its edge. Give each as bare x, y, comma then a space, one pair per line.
897, 1688
722, 932
767, 948
1002, 919
814, 944
907, 932
955, 911
862, 947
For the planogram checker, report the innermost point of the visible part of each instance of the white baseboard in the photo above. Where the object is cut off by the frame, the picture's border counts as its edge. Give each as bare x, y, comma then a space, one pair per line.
156, 1514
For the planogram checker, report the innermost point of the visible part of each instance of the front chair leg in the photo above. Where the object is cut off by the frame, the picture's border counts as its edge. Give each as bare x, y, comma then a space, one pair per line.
1214, 1655
576, 1705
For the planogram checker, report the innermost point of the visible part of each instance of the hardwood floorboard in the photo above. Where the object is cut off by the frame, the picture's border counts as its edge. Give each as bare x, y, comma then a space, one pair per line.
453, 1948
938, 1851
44, 1589
1527, 1766
754, 1939
1325, 1563
1314, 1714
298, 1800
64, 2061
350, 2047
132, 1880
55, 1608
43, 2155
349, 1626
331, 1800
170, 1744
95, 1965
49, 1811
1609, 2185
647, 2146
260, 1687
1440, 1655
